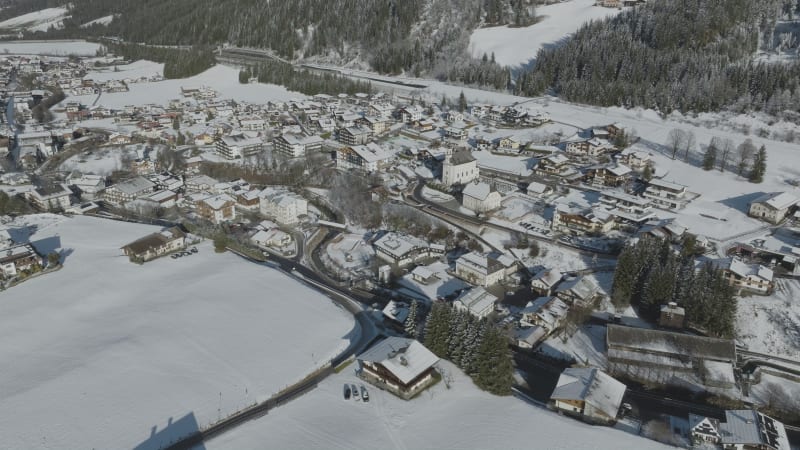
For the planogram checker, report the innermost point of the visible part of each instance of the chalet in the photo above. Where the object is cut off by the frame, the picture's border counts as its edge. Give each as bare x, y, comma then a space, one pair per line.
593, 147
635, 159
402, 366
283, 205
741, 429
663, 355
536, 189
545, 281
271, 238
237, 146
381, 109
402, 250
773, 208
200, 183
589, 394
252, 123
480, 197
580, 291
459, 167
17, 258
369, 157
749, 277
156, 244
476, 301
508, 144
217, 209
50, 198
582, 220
119, 139
127, 191
484, 270
411, 114
529, 337
396, 312
455, 133
545, 312
354, 135
665, 194
627, 208
248, 199
554, 165
611, 176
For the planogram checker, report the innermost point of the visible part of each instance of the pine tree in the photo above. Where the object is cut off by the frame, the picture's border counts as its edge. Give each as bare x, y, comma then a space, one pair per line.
462, 102
759, 166
647, 173
624, 279
710, 157
411, 321
494, 366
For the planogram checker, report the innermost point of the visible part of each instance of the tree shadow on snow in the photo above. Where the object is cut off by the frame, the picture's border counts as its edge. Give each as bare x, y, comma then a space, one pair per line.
174, 431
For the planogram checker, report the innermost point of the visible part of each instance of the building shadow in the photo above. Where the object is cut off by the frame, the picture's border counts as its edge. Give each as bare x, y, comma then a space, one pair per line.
742, 202
174, 431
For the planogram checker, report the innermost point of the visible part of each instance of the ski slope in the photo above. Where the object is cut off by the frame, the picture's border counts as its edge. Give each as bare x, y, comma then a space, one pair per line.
100, 353
40, 20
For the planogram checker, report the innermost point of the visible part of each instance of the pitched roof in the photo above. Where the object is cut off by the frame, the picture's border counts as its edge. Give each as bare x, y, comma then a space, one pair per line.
667, 342
779, 200
592, 386
404, 358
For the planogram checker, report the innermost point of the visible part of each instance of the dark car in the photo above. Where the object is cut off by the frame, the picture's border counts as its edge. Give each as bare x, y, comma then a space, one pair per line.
193, 250
347, 391
355, 392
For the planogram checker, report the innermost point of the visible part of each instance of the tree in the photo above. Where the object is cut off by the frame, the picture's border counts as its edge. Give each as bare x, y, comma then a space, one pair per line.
688, 145
726, 145
53, 259
676, 140
647, 173
759, 166
411, 321
462, 102
494, 367
745, 152
710, 157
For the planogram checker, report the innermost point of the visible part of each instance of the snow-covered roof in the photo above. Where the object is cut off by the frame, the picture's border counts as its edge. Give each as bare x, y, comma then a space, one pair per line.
742, 269
548, 277
592, 386
218, 201
582, 287
480, 262
747, 426
663, 342
134, 185
780, 200
478, 190
537, 187
405, 358
372, 152
396, 311
398, 245
478, 301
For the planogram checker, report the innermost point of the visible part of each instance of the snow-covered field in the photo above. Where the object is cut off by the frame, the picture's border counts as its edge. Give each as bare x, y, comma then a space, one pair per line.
772, 324
132, 71
40, 20
223, 79
516, 46
101, 161
105, 20
461, 417
100, 352
54, 48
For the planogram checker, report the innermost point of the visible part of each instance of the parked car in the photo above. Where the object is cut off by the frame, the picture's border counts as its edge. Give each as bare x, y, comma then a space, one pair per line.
346, 391
355, 392
193, 250
364, 393
175, 256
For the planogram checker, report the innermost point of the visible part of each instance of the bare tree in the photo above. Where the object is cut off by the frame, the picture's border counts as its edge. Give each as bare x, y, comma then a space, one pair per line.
688, 145
725, 147
745, 150
676, 140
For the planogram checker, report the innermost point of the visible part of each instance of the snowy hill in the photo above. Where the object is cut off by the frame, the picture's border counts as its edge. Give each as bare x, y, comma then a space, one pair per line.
37, 21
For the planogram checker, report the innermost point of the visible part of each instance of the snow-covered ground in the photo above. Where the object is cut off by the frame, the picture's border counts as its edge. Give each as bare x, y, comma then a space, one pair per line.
587, 346
515, 46
461, 417
223, 79
105, 20
352, 252
40, 20
54, 48
100, 352
772, 324
132, 71
101, 161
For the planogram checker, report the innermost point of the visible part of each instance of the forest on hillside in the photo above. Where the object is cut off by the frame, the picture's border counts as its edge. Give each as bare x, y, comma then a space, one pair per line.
687, 55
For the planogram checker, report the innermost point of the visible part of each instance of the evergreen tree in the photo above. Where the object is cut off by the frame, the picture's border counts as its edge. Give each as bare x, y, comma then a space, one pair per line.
462, 102
411, 321
494, 367
710, 157
759, 166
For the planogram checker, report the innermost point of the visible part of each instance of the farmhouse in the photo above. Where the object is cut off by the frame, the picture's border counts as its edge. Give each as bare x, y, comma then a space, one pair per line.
545, 281
588, 393
483, 270
402, 249
741, 429
402, 366
217, 209
545, 312
773, 208
17, 258
156, 244
750, 277
128, 191
476, 301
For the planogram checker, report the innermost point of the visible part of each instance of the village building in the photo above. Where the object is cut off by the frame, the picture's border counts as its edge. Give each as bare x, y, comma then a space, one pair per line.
484, 270
237, 146
637, 160
476, 301
740, 430
50, 198
273, 237
750, 277
589, 394
217, 209
459, 167
376, 124
369, 157
86, 187
671, 316
545, 312
292, 146
666, 195
773, 208
557, 165
354, 135
480, 197
284, 206
16, 258
583, 220
402, 366
156, 244
609, 176
579, 290
536, 189
545, 281
402, 249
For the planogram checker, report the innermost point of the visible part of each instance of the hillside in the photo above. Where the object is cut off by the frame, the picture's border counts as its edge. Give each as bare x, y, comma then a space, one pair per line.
688, 55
